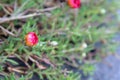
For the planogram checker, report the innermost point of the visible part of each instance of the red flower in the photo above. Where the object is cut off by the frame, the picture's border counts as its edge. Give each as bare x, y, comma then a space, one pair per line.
31, 39
74, 3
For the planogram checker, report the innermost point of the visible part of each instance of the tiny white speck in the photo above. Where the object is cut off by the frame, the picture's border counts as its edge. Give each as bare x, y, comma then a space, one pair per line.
54, 43
103, 11
84, 45
83, 54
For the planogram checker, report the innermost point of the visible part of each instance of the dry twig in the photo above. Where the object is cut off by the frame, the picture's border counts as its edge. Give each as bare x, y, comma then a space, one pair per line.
20, 16
37, 63
2, 20
45, 59
16, 70
5, 30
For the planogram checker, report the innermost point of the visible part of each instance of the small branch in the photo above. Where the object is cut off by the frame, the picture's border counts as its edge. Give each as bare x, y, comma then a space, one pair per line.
45, 59
16, 70
5, 30
37, 63
71, 50
37, 13
2, 20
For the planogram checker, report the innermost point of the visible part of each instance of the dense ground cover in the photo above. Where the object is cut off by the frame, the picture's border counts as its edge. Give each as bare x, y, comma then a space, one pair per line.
70, 40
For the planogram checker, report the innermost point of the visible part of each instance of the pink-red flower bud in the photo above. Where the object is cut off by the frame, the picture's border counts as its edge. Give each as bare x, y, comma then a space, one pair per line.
74, 3
31, 39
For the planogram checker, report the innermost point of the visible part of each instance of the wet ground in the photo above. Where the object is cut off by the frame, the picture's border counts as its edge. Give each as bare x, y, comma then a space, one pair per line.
109, 67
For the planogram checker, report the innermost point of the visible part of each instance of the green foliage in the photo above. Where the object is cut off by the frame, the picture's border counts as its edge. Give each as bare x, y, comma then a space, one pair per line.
63, 27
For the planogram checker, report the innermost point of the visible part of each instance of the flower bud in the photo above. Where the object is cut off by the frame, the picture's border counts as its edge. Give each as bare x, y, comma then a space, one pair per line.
31, 39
